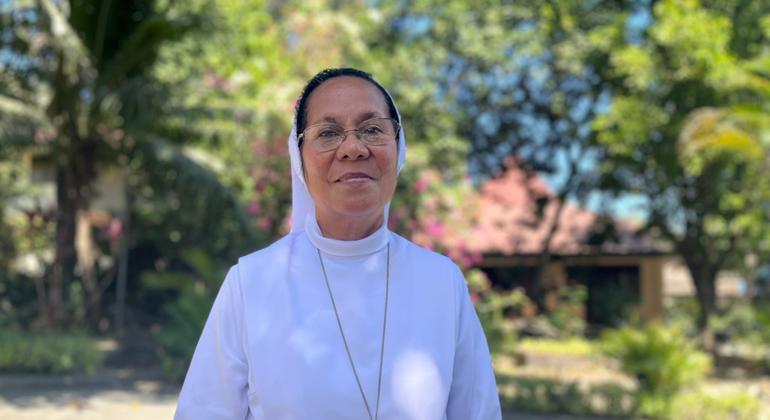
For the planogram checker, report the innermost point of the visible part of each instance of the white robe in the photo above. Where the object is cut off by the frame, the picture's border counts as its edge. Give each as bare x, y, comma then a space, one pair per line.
271, 348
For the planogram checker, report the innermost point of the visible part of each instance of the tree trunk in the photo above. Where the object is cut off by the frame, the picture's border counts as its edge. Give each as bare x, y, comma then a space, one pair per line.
65, 257
120, 290
704, 279
86, 257
544, 284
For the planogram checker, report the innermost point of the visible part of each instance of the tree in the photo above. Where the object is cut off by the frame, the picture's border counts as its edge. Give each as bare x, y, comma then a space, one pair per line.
509, 83
79, 90
607, 86
686, 126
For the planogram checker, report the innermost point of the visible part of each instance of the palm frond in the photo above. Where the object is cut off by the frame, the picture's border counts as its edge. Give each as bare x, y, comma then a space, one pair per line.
141, 47
12, 107
69, 43
193, 180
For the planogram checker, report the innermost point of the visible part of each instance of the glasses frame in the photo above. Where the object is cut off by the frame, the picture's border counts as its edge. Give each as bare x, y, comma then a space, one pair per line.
397, 127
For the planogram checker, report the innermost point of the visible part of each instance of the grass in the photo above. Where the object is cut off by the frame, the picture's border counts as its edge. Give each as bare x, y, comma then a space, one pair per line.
577, 347
48, 352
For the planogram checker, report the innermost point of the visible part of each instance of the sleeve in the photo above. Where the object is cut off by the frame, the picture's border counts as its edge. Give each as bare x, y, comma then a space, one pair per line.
216, 383
473, 394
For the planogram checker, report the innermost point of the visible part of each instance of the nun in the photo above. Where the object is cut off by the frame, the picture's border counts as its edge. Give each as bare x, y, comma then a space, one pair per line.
342, 318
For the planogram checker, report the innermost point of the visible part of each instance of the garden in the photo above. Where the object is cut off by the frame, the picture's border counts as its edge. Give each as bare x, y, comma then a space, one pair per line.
143, 150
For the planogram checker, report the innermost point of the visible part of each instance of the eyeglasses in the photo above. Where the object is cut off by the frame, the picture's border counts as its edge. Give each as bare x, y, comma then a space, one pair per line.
325, 137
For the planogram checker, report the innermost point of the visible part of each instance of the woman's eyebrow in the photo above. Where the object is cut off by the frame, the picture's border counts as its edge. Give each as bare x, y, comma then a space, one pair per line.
359, 119
325, 119
368, 115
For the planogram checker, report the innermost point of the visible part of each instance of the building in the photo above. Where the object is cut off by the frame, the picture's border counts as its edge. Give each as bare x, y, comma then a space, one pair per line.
621, 271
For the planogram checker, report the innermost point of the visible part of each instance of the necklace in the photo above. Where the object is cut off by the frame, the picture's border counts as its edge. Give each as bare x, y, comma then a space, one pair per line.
345, 341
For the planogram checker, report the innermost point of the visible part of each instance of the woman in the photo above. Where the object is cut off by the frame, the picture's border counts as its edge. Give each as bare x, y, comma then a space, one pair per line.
341, 318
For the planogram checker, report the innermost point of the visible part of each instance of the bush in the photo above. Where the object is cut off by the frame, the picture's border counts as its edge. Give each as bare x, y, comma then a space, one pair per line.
661, 359
18, 301
702, 406
569, 316
186, 315
543, 395
739, 323
682, 313
496, 310
48, 352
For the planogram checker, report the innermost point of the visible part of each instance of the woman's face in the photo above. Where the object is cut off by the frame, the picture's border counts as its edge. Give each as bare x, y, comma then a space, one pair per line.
354, 181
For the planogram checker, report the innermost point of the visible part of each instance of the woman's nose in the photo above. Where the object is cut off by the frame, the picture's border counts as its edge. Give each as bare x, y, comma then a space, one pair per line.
352, 148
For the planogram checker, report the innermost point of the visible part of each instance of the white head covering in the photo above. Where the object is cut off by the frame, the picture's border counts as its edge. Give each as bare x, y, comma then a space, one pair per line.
302, 203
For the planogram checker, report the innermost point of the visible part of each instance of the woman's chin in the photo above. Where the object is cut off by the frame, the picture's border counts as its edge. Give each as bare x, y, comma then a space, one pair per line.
357, 209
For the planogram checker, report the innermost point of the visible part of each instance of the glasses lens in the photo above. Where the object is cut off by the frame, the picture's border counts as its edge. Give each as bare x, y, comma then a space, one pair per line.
377, 131
325, 136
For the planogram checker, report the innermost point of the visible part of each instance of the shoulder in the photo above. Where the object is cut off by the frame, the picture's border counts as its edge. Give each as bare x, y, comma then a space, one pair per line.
276, 251
269, 260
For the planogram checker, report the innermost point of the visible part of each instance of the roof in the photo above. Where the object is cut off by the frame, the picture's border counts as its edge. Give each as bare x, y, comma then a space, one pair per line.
508, 222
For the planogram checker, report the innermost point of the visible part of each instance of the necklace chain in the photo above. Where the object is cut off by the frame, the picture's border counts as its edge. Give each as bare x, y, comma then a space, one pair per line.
345, 341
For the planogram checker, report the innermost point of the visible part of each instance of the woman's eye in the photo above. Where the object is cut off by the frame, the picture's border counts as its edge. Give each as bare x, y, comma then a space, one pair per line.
326, 134
371, 130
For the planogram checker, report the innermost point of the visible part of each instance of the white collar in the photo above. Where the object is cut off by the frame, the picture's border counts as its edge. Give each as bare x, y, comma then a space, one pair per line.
365, 246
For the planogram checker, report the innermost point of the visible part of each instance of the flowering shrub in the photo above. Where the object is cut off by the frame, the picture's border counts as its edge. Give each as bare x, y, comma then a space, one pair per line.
496, 311
436, 212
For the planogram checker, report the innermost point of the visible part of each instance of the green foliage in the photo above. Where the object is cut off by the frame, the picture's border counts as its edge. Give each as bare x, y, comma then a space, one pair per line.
661, 359
571, 346
17, 300
568, 318
542, 395
681, 313
725, 406
495, 309
48, 352
685, 131
88, 100
740, 323
184, 315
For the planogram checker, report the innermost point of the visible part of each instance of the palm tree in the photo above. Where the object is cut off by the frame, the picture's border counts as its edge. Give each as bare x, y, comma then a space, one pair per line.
76, 87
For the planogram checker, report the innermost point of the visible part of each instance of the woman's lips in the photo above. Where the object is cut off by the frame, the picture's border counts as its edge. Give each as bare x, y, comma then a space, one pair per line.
354, 176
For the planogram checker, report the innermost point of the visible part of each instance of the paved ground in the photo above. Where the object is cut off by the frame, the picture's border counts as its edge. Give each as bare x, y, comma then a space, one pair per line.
110, 395
120, 391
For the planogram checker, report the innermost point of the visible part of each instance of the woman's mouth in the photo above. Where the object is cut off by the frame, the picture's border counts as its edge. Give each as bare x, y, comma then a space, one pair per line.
354, 177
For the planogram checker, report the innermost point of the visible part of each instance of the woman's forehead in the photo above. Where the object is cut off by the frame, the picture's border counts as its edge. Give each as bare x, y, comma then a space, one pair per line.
345, 98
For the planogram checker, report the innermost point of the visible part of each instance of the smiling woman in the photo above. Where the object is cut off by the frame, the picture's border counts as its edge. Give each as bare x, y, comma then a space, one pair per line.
342, 319
350, 179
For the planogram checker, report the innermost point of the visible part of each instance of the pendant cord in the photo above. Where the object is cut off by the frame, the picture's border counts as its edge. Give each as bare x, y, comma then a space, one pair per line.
345, 341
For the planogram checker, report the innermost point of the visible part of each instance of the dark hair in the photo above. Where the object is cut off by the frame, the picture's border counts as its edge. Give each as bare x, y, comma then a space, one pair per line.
324, 75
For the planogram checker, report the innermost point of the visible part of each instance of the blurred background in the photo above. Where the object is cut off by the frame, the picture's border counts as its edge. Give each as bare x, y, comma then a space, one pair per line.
599, 169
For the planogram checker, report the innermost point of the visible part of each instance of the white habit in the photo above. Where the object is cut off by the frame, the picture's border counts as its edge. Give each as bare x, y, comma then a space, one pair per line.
271, 348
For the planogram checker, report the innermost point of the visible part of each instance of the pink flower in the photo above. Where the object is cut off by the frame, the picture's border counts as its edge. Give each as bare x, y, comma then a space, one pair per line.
435, 229
115, 229
264, 223
420, 185
254, 208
